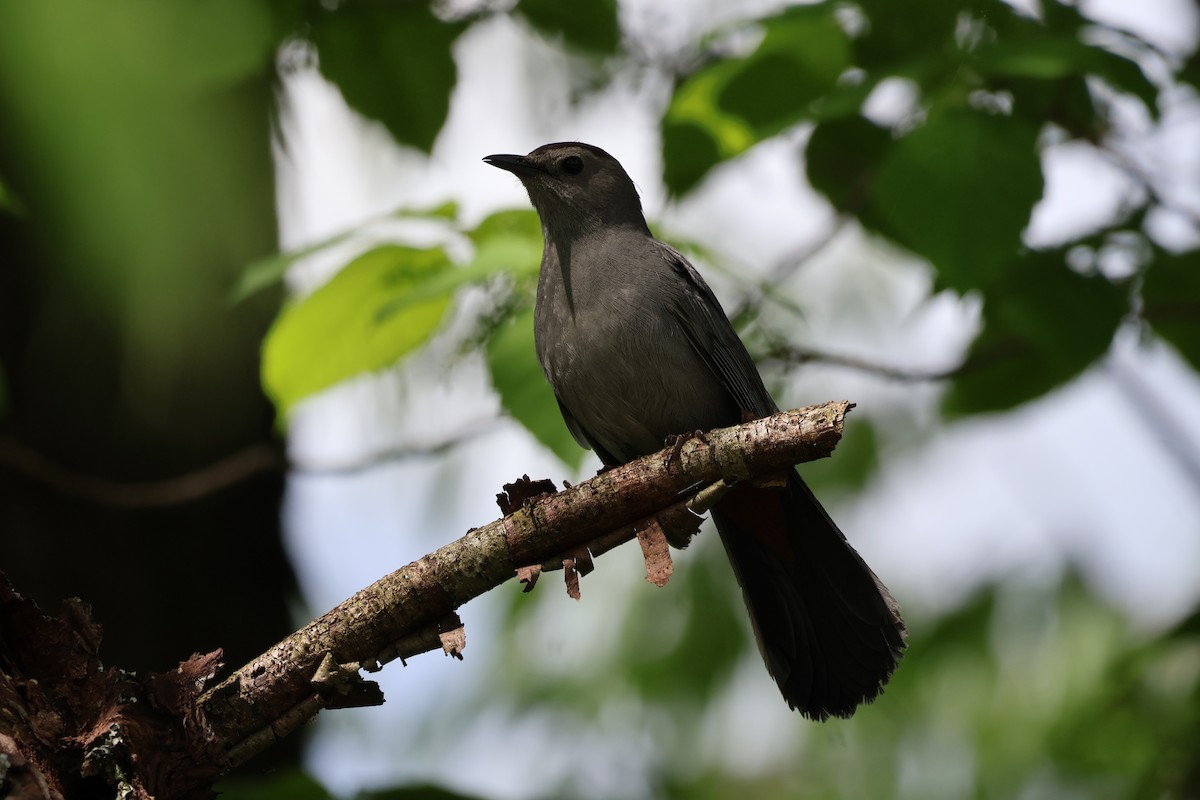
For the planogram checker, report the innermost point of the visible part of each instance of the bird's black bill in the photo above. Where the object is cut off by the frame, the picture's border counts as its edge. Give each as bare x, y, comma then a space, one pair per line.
517, 165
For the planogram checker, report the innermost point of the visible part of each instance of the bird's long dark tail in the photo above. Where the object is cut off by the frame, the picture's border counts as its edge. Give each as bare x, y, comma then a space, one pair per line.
828, 628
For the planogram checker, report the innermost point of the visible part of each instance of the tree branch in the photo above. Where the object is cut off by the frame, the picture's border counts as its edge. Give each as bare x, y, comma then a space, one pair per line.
253, 699
166, 736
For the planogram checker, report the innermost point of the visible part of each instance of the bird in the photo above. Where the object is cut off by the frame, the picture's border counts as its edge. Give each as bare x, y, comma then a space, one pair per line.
638, 351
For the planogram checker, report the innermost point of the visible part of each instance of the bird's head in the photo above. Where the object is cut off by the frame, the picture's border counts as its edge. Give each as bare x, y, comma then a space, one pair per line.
575, 186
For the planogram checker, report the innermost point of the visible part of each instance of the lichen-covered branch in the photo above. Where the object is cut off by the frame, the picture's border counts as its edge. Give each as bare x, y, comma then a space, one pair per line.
253, 699
170, 736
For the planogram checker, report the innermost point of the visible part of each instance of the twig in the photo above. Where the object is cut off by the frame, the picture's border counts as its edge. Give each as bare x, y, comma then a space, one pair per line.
186, 488
467, 433
794, 354
784, 268
212, 478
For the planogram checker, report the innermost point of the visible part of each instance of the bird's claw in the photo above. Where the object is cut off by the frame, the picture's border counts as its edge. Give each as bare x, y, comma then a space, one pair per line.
678, 440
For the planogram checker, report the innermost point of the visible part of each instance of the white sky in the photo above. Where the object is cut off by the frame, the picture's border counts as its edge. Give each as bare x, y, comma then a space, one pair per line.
1074, 475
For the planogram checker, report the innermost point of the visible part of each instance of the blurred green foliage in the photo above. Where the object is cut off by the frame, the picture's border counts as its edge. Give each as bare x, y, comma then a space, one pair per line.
954, 181
1024, 690
728, 105
148, 177
97, 151
1032, 693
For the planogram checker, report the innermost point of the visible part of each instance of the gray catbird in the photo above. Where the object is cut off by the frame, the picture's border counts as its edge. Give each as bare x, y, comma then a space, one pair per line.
637, 350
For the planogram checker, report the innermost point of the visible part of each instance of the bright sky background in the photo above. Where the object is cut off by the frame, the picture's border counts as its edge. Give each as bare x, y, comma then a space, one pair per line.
1076, 475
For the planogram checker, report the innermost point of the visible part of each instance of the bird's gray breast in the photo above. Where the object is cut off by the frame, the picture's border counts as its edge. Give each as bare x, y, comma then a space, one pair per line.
615, 352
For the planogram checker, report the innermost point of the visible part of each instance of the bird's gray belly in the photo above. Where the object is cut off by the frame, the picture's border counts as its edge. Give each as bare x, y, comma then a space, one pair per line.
631, 383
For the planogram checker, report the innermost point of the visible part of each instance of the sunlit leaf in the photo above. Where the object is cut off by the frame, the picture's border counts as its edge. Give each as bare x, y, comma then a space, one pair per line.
270, 270
378, 308
393, 62
506, 242
731, 104
523, 389
697, 134
959, 190
263, 273
589, 25
522, 223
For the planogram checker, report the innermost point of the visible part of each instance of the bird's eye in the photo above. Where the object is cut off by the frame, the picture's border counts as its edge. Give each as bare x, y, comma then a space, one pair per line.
572, 165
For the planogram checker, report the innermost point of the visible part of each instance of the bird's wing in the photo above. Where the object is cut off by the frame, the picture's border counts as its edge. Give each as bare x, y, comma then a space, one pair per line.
582, 436
711, 335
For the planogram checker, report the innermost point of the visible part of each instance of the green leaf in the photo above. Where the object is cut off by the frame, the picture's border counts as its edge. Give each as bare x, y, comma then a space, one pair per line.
959, 190
522, 223
1066, 102
803, 52
1043, 326
508, 254
732, 104
1053, 57
690, 150
896, 32
1043, 57
263, 273
844, 100
393, 62
523, 389
268, 271
589, 25
1190, 71
1171, 301
842, 159
378, 308
1124, 75
506, 242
